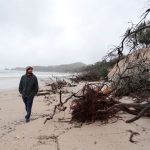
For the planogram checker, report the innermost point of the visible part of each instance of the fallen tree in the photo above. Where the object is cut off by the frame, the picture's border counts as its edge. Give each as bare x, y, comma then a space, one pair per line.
55, 86
92, 105
133, 79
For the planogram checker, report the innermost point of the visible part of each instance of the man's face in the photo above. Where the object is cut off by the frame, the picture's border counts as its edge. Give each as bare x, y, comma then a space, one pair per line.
30, 71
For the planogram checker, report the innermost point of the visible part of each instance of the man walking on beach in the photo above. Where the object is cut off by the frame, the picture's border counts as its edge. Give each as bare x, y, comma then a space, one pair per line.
28, 88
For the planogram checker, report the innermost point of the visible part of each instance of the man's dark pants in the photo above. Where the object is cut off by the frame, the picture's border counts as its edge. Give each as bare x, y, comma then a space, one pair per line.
28, 101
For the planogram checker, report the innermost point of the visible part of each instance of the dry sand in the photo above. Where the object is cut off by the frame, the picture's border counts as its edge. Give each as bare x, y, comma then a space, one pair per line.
58, 134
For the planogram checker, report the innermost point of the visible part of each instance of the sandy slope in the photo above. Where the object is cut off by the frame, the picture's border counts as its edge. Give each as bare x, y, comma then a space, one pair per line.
57, 134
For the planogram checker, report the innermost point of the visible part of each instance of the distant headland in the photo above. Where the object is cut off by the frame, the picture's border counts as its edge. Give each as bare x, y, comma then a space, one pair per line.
74, 67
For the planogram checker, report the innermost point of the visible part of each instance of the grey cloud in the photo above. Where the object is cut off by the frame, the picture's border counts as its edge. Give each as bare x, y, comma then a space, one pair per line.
50, 32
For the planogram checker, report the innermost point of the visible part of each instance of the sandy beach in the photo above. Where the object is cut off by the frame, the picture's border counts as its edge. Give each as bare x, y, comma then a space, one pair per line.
58, 133
74, 75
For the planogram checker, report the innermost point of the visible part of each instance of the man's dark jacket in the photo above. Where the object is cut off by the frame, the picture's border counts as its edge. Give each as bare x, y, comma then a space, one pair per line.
28, 85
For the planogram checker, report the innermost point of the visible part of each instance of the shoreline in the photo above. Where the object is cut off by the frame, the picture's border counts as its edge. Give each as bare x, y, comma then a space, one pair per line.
15, 134
12, 83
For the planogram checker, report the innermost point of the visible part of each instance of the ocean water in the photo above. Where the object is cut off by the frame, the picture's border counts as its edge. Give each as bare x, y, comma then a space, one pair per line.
9, 79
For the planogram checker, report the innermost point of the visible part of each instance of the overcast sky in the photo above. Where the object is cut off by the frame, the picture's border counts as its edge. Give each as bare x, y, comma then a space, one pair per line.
52, 32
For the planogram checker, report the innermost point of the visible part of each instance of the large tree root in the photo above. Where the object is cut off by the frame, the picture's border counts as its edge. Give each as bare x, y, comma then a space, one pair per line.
89, 105
140, 114
133, 108
60, 107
